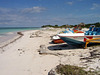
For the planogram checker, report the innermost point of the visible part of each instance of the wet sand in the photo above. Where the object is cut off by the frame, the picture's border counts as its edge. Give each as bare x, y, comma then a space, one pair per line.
8, 36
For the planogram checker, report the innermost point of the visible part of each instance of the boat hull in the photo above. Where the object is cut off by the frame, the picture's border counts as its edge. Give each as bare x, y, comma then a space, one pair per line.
72, 41
78, 40
58, 41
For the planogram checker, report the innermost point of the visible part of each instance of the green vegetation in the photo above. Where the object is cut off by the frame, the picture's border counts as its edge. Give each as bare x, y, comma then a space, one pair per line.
65, 26
72, 70
96, 24
55, 26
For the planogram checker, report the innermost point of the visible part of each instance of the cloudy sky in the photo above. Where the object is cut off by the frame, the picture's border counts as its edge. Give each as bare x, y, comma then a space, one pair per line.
35, 13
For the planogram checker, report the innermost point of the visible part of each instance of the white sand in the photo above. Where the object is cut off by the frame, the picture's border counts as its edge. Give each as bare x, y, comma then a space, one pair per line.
22, 57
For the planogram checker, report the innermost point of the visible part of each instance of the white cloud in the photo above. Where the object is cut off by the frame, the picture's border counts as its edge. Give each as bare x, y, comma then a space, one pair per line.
4, 10
94, 6
33, 10
15, 17
70, 3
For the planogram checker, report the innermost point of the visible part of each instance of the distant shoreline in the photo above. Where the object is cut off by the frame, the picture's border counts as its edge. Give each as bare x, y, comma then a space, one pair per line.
11, 37
8, 39
4, 30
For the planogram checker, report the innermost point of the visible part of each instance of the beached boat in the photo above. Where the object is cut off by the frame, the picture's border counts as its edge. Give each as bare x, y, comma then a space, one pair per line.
56, 39
80, 38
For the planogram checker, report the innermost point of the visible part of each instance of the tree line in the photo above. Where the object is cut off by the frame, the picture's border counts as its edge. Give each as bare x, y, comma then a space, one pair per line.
83, 25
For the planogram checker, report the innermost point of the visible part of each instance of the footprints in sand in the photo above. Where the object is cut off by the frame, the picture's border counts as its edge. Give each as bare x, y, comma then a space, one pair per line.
21, 52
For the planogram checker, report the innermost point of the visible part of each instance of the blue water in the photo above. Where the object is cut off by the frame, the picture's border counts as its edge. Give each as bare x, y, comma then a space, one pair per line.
4, 30
8, 33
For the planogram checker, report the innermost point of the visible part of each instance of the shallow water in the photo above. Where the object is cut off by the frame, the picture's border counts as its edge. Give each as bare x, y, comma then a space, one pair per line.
4, 30
6, 37
7, 33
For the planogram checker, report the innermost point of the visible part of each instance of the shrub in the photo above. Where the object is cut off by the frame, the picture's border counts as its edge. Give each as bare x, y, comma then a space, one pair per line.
71, 70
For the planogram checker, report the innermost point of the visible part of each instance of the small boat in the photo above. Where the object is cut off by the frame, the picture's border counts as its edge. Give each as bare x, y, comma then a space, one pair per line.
56, 39
80, 38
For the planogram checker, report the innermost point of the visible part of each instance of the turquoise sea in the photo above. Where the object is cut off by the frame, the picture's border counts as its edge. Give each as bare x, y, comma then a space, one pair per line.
7, 33
4, 30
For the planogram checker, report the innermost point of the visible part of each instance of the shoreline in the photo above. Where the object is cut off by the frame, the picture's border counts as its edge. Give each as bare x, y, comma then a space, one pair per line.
9, 41
22, 56
10, 38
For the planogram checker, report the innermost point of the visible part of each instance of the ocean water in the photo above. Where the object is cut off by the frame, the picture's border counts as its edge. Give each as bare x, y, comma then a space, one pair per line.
7, 33
5, 30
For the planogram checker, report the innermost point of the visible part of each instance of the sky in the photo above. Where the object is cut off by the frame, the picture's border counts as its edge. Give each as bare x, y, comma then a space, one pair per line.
35, 13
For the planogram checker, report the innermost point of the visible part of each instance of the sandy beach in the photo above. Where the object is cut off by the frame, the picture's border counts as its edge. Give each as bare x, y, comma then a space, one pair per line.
21, 57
